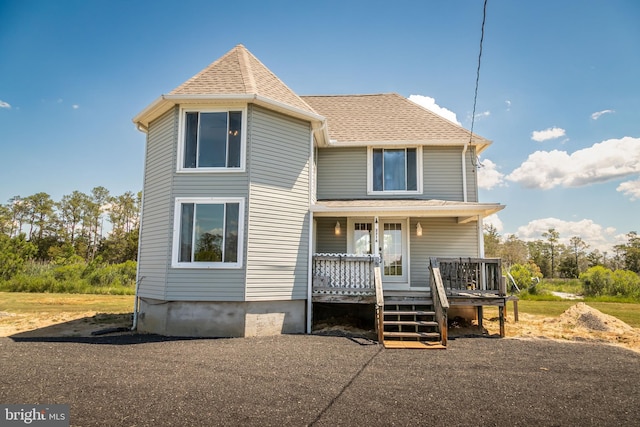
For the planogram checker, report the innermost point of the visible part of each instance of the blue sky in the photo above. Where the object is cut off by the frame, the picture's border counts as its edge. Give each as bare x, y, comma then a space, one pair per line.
559, 89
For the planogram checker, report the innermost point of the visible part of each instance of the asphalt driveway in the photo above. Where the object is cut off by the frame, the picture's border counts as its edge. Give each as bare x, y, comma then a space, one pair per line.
325, 381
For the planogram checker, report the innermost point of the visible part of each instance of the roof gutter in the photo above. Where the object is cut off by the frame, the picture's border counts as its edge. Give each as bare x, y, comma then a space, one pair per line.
420, 210
163, 103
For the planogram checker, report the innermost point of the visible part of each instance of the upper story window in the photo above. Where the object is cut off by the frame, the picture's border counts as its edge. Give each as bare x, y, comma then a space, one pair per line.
208, 233
395, 170
212, 140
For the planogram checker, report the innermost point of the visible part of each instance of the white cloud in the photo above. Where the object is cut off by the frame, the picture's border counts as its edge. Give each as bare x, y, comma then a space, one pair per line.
430, 104
75, 106
597, 114
603, 161
595, 235
483, 115
4, 104
508, 104
630, 189
489, 176
494, 220
545, 135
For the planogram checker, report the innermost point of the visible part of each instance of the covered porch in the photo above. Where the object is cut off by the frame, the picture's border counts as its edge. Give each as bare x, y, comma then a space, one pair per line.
406, 317
391, 253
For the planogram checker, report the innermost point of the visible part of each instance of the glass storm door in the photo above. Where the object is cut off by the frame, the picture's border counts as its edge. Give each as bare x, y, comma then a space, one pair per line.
362, 238
392, 241
393, 251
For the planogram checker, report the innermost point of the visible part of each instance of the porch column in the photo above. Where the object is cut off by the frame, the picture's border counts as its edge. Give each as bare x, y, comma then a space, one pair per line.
376, 243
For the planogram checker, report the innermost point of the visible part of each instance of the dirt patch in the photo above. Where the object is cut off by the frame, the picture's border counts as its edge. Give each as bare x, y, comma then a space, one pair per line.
579, 322
61, 324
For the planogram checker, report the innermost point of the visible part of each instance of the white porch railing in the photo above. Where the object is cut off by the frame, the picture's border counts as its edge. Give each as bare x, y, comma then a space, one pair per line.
344, 274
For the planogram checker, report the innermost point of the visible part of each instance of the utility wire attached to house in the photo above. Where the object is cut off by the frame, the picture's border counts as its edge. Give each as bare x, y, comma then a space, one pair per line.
475, 96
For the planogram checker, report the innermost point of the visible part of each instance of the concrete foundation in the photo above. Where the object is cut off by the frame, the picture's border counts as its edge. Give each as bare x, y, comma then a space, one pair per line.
221, 318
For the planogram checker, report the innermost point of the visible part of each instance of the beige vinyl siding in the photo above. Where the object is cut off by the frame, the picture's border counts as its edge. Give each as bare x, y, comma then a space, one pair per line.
472, 175
342, 174
278, 208
326, 239
186, 284
211, 185
314, 177
441, 237
201, 284
442, 173
155, 239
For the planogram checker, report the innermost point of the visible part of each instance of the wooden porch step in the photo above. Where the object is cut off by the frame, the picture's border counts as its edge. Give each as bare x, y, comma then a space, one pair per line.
406, 294
417, 335
409, 313
410, 323
409, 302
417, 345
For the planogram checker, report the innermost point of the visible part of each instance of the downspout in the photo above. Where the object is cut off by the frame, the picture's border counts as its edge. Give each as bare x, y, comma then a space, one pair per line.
464, 171
136, 299
310, 260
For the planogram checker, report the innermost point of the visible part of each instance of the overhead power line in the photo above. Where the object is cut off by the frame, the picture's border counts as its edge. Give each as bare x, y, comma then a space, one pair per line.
475, 96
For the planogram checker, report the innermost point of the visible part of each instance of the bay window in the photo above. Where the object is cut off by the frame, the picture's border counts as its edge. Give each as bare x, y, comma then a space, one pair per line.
208, 233
212, 140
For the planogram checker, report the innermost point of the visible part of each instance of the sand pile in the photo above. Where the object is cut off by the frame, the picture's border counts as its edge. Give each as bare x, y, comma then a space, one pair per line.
583, 316
579, 322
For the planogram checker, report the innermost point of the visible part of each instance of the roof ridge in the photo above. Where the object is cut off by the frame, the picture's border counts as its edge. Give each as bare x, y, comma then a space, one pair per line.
202, 72
352, 94
245, 69
451, 122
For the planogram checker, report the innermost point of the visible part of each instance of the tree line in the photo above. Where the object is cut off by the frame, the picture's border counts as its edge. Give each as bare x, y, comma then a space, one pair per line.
602, 273
86, 225
556, 260
82, 243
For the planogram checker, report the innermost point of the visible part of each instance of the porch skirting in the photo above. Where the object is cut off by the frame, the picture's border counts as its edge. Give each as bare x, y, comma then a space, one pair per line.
221, 318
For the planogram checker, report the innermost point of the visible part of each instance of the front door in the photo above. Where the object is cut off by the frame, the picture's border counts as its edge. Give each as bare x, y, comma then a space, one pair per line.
393, 250
392, 240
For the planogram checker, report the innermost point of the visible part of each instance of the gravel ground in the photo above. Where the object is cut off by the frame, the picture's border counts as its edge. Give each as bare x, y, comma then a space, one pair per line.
138, 380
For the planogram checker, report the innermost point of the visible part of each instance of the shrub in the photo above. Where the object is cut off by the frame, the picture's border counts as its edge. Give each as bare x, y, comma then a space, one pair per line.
74, 276
14, 252
596, 279
599, 281
625, 283
525, 275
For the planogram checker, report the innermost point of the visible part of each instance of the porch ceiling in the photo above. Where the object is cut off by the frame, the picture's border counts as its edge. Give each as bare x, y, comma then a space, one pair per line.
414, 208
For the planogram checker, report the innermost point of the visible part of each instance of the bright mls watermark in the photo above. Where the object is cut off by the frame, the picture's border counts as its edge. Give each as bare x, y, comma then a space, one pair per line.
34, 415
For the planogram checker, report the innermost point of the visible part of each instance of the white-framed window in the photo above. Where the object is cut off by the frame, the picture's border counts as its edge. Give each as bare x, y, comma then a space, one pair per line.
212, 140
394, 170
208, 232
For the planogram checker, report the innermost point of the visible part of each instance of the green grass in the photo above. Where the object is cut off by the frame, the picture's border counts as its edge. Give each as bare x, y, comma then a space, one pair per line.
19, 302
572, 286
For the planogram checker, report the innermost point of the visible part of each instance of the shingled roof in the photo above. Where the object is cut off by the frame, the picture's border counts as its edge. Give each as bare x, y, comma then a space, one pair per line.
386, 118
236, 76
350, 119
239, 72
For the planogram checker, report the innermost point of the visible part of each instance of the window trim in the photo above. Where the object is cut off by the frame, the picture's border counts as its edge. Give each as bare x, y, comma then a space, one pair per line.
181, 136
419, 167
179, 201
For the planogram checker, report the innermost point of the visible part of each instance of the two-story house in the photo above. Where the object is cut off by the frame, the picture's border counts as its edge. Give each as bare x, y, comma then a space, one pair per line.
245, 181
